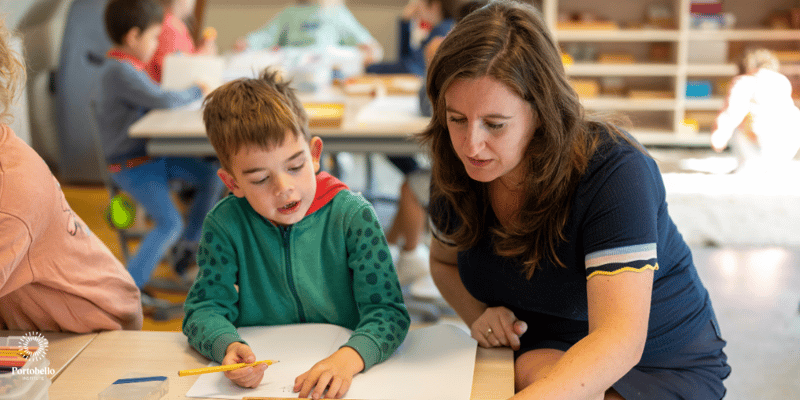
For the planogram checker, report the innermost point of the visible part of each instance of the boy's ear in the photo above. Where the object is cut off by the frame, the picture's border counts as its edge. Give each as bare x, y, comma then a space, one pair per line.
230, 181
131, 36
316, 151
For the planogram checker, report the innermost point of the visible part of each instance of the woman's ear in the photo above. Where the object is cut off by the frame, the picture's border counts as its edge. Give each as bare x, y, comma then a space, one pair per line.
230, 181
316, 152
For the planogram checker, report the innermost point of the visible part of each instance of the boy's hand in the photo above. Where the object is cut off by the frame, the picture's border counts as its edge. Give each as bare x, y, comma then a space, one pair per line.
498, 326
248, 377
334, 373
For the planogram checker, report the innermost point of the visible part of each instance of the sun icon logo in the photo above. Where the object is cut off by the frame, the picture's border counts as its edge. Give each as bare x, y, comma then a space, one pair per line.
41, 344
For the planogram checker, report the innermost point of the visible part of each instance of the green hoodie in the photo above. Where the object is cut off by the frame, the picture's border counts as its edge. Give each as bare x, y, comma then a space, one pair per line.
331, 267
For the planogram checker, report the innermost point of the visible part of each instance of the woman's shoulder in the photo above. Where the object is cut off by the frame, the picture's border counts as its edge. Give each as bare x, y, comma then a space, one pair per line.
618, 152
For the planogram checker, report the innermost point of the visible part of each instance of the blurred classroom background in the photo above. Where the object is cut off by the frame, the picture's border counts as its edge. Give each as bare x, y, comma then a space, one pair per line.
665, 65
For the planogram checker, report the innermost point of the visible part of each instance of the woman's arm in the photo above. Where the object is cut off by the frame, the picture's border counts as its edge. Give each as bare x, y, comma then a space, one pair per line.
479, 318
619, 310
444, 271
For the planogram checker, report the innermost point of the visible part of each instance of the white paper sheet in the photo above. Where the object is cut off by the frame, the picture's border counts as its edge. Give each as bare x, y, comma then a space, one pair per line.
181, 71
389, 109
434, 363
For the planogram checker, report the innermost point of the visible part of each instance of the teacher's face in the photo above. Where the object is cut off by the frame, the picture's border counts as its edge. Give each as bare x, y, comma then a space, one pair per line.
490, 128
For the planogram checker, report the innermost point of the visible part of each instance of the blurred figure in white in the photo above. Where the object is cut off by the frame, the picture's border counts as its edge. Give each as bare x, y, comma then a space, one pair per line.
759, 115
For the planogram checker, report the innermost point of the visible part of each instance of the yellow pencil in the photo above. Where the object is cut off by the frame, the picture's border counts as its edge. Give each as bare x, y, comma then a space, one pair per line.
222, 368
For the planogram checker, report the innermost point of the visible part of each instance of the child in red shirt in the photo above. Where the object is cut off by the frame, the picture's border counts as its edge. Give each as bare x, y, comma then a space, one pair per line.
175, 36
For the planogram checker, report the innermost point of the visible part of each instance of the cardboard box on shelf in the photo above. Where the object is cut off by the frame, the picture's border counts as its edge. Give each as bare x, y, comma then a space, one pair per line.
586, 88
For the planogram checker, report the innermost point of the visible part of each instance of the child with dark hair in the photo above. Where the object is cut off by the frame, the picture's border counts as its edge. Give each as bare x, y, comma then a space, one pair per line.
126, 94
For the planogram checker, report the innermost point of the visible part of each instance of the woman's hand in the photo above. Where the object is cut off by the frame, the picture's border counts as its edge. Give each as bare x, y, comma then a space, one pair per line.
498, 326
334, 373
249, 377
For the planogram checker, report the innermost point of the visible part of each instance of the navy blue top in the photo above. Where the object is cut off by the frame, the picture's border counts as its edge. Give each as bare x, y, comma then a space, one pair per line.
414, 58
618, 221
411, 60
126, 94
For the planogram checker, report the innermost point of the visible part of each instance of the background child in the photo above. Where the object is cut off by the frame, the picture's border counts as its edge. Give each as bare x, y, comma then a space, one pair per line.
55, 274
440, 14
289, 246
127, 93
320, 23
760, 110
175, 36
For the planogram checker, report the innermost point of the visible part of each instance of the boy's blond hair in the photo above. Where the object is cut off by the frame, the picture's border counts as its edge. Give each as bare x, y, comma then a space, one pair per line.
12, 73
256, 112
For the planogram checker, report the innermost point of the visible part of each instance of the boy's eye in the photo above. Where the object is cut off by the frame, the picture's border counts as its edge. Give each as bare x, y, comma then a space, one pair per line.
261, 181
297, 168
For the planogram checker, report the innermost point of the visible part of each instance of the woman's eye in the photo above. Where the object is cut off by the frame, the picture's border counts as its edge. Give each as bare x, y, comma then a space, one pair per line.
457, 120
494, 126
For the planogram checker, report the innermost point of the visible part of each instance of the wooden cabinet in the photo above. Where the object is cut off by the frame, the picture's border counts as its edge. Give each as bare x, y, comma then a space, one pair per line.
652, 89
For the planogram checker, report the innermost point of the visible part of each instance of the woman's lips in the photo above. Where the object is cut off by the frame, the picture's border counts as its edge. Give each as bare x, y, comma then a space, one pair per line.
478, 163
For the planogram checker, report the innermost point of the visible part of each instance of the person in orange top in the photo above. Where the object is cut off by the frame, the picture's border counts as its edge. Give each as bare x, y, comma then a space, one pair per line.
175, 36
55, 274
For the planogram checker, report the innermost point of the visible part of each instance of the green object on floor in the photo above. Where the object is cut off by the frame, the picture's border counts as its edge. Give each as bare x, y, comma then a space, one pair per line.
121, 212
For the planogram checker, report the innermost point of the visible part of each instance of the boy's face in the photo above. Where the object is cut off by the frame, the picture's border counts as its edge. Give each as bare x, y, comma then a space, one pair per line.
279, 183
143, 44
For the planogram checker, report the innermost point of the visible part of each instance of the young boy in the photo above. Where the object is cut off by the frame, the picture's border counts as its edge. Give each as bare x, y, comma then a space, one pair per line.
291, 245
127, 93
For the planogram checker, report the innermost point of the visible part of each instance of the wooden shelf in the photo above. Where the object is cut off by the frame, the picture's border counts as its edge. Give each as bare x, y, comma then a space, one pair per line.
684, 43
624, 103
713, 103
744, 34
712, 70
671, 139
617, 35
639, 69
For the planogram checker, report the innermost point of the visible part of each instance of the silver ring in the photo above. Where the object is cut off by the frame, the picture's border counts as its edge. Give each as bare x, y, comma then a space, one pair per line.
488, 332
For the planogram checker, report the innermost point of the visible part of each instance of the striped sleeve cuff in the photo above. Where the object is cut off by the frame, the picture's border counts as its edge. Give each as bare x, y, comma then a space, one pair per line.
634, 258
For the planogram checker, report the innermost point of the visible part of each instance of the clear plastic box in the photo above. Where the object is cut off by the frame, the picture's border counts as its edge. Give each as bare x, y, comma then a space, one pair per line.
136, 386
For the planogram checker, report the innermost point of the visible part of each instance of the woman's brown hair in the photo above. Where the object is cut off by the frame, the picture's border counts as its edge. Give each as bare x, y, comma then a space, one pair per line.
12, 73
509, 42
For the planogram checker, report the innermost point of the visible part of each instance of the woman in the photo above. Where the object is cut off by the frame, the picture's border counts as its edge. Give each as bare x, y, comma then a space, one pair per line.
551, 229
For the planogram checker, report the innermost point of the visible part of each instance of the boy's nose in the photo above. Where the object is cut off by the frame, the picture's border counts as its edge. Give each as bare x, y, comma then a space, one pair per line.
283, 185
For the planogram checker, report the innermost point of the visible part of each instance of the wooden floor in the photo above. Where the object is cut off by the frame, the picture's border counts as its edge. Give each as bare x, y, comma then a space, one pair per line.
755, 292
